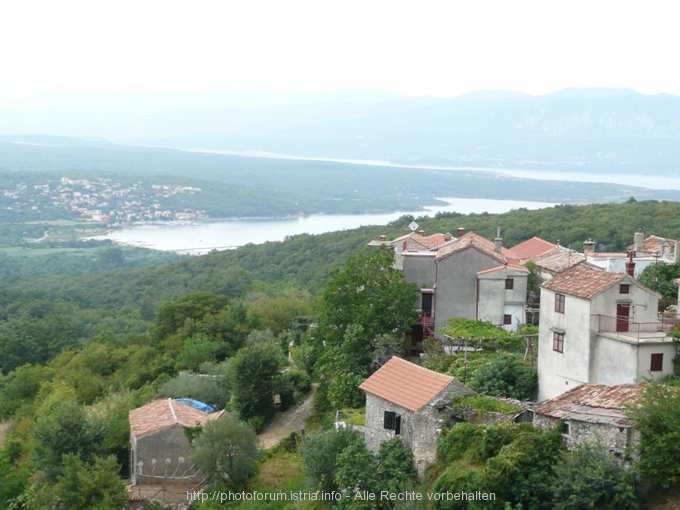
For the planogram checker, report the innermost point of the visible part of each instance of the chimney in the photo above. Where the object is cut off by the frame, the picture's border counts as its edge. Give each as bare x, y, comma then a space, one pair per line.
588, 246
676, 252
460, 232
639, 241
498, 242
421, 231
382, 237
630, 265
448, 236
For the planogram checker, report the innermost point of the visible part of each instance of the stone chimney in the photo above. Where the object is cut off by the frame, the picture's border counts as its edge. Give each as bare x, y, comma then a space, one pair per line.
421, 231
460, 232
588, 246
639, 241
382, 237
498, 242
448, 236
630, 265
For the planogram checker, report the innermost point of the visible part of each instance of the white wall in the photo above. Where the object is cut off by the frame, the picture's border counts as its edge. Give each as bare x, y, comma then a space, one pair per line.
560, 372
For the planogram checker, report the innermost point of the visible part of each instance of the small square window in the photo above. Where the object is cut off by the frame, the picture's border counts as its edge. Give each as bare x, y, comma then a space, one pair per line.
624, 288
558, 342
656, 362
509, 283
507, 319
559, 303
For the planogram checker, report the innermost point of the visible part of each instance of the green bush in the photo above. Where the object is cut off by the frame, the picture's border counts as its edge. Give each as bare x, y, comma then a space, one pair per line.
457, 479
506, 376
456, 442
343, 391
589, 477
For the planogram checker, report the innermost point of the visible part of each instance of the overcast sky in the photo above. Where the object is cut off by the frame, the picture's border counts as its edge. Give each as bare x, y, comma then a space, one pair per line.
415, 48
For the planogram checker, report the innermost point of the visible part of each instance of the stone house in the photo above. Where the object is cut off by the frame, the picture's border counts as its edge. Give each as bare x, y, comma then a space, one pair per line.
593, 413
408, 401
468, 276
160, 447
600, 327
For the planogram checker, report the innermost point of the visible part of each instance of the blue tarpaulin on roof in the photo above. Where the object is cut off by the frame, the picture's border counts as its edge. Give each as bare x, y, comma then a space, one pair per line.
197, 404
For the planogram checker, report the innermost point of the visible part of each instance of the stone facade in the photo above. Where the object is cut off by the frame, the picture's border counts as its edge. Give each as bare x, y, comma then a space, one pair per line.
419, 429
616, 439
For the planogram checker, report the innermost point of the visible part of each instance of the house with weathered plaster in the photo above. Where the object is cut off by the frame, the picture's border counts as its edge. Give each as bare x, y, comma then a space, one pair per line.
467, 276
410, 402
161, 468
593, 413
600, 327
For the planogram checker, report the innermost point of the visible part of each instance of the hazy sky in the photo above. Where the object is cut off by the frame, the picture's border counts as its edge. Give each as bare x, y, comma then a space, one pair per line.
416, 47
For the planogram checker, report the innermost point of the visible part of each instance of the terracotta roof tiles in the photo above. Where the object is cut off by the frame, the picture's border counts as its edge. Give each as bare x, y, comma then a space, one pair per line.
406, 384
164, 413
594, 403
584, 281
532, 248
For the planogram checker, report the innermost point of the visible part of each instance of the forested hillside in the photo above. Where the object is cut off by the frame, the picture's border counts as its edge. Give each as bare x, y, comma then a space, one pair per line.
78, 351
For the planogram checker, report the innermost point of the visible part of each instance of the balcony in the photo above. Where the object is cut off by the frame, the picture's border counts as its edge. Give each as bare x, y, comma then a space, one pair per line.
627, 330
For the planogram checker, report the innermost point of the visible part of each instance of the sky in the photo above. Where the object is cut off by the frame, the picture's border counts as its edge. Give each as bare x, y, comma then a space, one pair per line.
50, 50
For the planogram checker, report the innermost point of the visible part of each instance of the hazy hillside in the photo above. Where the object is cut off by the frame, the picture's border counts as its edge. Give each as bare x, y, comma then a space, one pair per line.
236, 186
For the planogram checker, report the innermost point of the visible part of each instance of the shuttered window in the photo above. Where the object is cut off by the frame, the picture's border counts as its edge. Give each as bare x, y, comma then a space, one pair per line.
558, 342
656, 362
559, 303
392, 421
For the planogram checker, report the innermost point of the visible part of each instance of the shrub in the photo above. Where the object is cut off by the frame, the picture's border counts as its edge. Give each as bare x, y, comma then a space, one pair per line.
459, 479
320, 456
506, 376
211, 389
589, 477
343, 391
456, 442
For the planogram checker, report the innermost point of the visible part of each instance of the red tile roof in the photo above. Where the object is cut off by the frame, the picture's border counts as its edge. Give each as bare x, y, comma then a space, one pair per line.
654, 244
406, 384
584, 280
472, 239
430, 242
532, 248
164, 413
594, 403
513, 267
559, 259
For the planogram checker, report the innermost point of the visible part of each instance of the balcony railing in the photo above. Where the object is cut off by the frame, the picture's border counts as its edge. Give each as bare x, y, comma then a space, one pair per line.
625, 327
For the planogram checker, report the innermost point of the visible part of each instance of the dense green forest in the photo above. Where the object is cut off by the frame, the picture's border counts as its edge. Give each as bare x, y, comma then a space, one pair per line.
88, 333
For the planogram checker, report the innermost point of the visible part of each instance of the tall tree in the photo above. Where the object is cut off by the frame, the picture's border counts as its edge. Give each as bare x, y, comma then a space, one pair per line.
226, 452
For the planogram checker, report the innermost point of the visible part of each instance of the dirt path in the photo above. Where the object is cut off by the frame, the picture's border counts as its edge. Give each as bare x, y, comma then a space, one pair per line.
287, 422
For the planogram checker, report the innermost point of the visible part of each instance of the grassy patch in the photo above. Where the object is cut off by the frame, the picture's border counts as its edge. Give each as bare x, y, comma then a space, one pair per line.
353, 416
484, 403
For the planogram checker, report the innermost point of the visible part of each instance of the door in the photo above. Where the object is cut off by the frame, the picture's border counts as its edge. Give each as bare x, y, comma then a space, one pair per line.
622, 317
426, 306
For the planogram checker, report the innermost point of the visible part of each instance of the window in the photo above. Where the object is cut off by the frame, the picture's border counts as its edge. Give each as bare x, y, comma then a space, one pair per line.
507, 319
624, 288
558, 342
509, 284
392, 421
559, 303
656, 362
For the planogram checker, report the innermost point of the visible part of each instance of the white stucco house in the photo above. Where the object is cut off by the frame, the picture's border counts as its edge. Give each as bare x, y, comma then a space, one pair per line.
600, 327
645, 251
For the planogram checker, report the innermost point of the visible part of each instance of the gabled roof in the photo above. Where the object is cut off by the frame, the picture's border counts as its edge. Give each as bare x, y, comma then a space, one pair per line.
509, 268
429, 242
584, 281
406, 384
532, 248
559, 259
654, 244
163, 413
481, 243
593, 403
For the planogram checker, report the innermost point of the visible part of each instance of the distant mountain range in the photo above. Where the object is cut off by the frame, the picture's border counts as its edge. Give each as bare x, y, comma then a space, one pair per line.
594, 130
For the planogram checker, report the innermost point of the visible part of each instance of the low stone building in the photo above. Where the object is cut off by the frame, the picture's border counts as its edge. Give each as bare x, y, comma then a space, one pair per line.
160, 449
593, 412
408, 401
